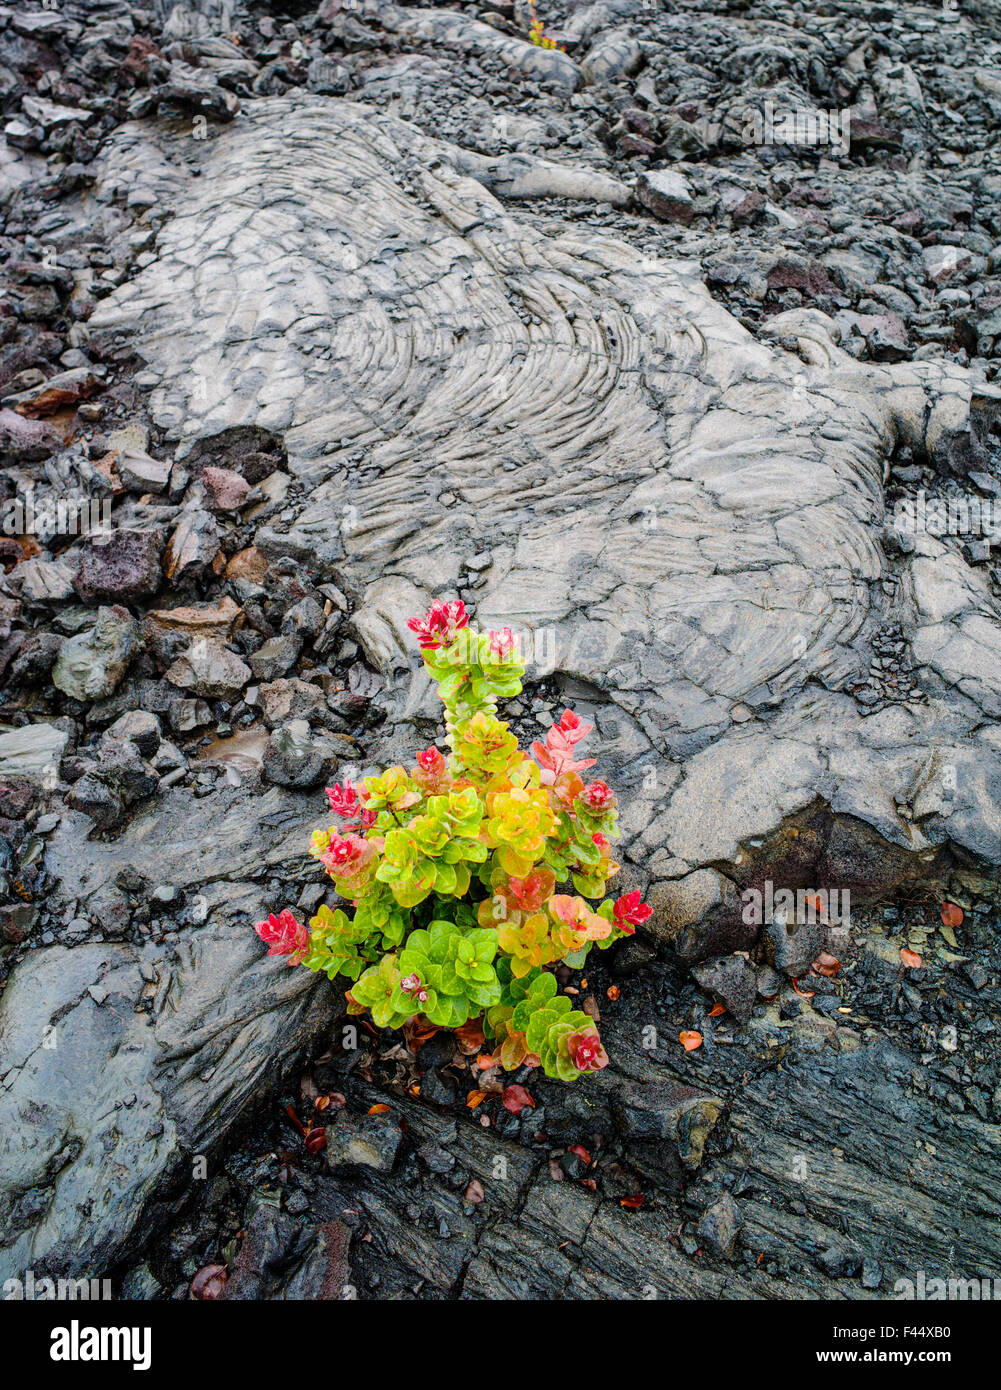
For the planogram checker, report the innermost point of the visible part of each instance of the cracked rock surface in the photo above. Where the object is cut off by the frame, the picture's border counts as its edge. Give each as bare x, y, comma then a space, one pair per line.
696, 514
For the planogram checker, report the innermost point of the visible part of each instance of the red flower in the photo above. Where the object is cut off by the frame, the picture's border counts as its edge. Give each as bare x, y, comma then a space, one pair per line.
598, 796
345, 855
503, 643
343, 800
432, 774
439, 625
629, 912
284, 936
346, 801
586, 1051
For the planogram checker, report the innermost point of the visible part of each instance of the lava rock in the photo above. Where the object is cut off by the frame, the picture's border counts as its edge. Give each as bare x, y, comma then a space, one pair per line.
32, 750
141, 728
793, 947
666, 194
720, 1225
291, 758
366, 1141
122, 565
211, 670
91, 664
276, 656
732, 980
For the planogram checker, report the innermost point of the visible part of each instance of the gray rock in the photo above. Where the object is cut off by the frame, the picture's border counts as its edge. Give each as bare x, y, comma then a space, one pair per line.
615, 54
650, 1112
91, 664
141, 728
192, 547
549, 67
93, 797
211, 670
121, 767
292, 759
365, 1141
32, 751
44, 581
720, 1225
666, 194
304, 619
687, 911
276, 656
282, 700
118, 1063
141, 473
793, 947
736, 452
732, 980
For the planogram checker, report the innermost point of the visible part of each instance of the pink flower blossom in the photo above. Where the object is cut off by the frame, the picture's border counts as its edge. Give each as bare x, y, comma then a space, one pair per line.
345, 855
586, 1051
284, 936
432, 774
502, 643
346, 801
597, 797
572, 727
439, 625
343, 800
630, 913
555, 756
431, 761
413, 987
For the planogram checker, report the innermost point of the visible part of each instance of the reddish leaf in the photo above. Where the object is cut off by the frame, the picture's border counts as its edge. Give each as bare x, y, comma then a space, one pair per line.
469, 1037
208, 1283
803, 993
474, 1192
826, 965
290, 1112
581, 1153
378, 1110
952, 915
717, 1011
417, 1032
315, 1140
613, 992
910, 958
475, 1098
516, 1098
690, 1039
634, 1202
